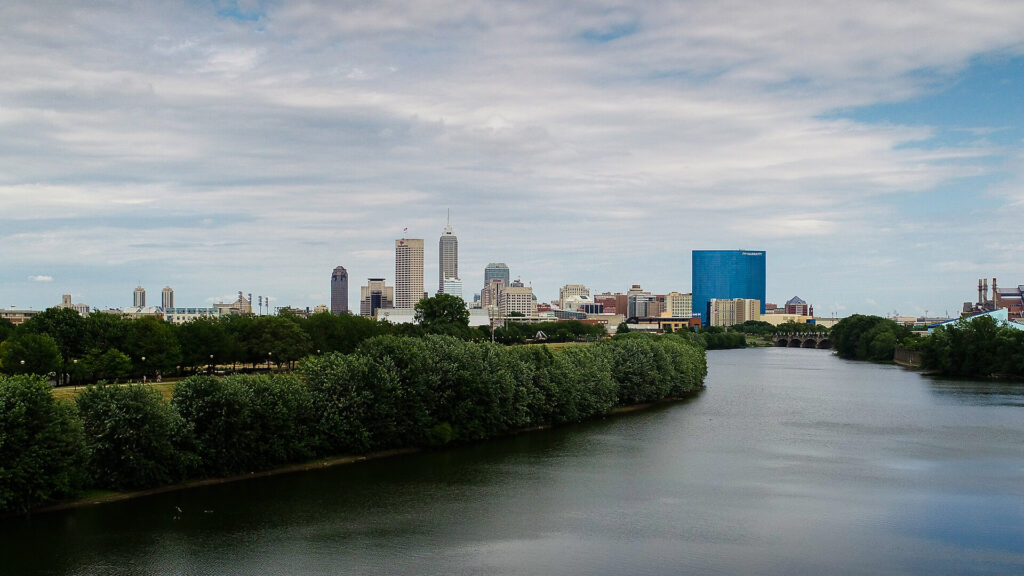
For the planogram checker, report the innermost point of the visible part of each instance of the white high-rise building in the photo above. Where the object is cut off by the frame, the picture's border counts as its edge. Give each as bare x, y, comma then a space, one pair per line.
518, 299
408, 272
139, 297
167, 298
447, 257
453, 286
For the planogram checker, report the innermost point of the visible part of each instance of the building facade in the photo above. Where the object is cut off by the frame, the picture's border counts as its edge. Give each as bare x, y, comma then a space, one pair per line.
727, 275
82, 309
167, 298
339, 291
183, 315
797, 305
453, 286
736, 311
571, 290
519, 300
408, 272
374, 296
447, 257
497, 271
678, 305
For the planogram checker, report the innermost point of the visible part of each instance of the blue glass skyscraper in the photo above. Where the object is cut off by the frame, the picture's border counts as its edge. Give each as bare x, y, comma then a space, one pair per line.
727, 274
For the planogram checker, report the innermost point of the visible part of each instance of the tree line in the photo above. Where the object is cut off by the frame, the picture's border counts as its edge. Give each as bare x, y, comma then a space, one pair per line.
111, 347
389, 392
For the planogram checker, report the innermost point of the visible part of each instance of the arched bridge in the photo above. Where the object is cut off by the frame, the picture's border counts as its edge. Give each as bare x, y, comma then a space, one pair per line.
808, 340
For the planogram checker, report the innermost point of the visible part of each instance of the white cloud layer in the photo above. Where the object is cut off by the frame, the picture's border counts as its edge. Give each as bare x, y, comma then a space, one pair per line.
257, 148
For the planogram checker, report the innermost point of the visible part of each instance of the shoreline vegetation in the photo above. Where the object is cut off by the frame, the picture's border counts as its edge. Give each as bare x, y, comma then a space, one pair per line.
106, 497
391, 395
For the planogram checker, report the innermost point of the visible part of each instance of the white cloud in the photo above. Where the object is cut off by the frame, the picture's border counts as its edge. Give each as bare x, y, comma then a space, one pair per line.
40, 278
597, 141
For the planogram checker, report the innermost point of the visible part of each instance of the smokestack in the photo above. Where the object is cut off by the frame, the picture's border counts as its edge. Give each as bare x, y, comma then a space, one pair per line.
980, 301
986, 290
995, 295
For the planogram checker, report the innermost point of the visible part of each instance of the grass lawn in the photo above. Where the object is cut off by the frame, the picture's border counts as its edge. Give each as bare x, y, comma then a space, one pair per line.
72, 392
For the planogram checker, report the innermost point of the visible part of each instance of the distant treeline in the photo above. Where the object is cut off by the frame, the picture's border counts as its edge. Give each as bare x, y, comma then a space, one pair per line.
111, 347
979, 348
390, 392
975, 347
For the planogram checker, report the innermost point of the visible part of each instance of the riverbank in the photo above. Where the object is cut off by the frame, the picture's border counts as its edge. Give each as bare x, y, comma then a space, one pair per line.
107, 497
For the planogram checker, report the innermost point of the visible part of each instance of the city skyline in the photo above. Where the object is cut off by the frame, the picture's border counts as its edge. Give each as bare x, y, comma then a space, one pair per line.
873, 151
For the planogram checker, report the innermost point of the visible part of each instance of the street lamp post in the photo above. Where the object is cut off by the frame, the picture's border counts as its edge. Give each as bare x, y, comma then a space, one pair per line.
269, 354
143, 369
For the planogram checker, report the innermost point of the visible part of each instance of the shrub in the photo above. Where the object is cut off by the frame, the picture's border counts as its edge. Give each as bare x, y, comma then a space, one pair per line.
135, 438
42, 448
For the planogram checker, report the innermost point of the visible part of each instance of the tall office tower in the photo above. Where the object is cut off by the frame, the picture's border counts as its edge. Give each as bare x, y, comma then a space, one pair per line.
726, 275
571, 290
139, 297
339, 291
408, 272
496, 271
447, 257
374, 296
167, 298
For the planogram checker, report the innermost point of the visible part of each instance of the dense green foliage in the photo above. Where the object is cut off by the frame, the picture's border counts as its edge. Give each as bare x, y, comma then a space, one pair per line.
42, 447
135, 438
979, 347
243, 423
391, 392
562, 331
716, 338
111, 347
862, 337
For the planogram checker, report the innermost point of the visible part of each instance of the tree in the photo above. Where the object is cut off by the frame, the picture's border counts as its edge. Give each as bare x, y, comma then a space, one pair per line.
623, 328
111, 365
203, 341
156, 341
66, 327
41, 444
29, 354
444, 314
6, 329
135, 437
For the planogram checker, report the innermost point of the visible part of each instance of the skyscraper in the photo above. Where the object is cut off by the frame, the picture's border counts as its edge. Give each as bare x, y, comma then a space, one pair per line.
339, 291
374, 296
408, 272
497, 271
167, 298
726, 275
139, 297
447, 257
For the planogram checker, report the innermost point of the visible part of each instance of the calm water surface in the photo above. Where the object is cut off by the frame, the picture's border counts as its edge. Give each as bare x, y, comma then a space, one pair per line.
791, 462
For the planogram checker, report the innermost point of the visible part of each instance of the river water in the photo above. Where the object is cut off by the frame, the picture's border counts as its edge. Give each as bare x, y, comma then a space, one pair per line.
791, 462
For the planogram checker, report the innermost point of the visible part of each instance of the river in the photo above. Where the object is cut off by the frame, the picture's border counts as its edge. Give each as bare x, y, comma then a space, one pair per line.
791, 462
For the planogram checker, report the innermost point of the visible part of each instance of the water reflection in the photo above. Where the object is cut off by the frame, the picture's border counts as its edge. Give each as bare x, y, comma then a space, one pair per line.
792, 462
979, 392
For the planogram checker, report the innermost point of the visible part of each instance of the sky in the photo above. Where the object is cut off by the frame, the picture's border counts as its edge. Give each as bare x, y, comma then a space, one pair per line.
873, 149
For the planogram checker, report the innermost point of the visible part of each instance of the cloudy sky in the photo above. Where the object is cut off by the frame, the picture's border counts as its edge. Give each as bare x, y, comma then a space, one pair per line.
873, 149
